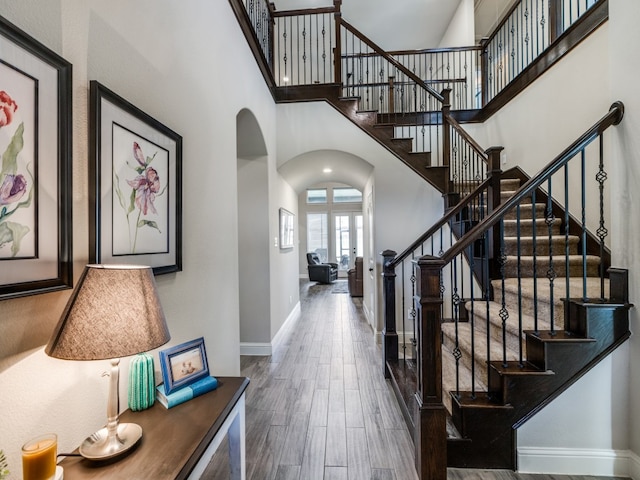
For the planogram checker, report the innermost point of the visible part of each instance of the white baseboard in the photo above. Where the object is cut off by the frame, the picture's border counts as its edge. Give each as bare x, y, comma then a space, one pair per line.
578, 461
634, 466
286, 326
253, 349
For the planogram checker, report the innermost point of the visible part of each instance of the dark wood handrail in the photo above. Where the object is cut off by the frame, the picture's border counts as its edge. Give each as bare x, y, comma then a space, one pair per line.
613, 117
446, 218
436, 50
391, 60
467, 138
304, 11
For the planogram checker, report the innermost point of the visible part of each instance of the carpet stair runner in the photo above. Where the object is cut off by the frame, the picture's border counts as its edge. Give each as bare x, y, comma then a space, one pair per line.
534, 294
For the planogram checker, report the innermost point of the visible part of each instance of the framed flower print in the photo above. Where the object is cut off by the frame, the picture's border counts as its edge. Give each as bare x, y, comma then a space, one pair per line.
35, 166
135, 185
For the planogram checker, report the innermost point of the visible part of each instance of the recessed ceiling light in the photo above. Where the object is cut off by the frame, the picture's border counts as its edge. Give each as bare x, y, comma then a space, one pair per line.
327, 170
285, 79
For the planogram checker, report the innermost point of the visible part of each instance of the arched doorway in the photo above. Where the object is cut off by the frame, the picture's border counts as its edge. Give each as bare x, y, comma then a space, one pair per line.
253, 231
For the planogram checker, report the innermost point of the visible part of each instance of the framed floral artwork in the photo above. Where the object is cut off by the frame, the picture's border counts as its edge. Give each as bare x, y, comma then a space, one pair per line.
135, 185
35, 166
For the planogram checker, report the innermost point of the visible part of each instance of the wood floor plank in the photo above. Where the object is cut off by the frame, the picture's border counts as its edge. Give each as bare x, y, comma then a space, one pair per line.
313, 459
323, 377
336, 397
353, 409
336, 473
377, 441
336, 452
319, 409
296, 436
401, 453
265, 463
288, 472
358, 462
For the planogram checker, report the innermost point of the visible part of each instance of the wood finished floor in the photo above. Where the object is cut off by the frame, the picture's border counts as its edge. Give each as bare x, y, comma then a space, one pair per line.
320, 409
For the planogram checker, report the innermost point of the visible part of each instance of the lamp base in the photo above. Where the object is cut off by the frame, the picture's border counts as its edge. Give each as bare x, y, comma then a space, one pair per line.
101, 446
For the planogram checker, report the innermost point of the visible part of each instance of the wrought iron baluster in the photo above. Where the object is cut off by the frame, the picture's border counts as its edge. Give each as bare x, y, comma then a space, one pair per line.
566, 232
404, 309
472, 317
519, 270
304, 50
583, 182
504, 312
455, 305
297, 49
534, 242
551, 273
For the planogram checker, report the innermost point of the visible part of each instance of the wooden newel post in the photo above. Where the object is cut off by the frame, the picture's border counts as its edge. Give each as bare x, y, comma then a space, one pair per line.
555, 20
494, 173
337, 50
431, 422
446, 133
272, 22
389, 333
484, 71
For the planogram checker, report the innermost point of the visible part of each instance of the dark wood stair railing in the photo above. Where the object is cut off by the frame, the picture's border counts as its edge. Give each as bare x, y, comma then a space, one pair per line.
515, 385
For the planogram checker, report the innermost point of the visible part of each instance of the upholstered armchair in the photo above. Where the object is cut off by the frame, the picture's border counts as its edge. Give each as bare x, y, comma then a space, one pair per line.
321, 272
355, 279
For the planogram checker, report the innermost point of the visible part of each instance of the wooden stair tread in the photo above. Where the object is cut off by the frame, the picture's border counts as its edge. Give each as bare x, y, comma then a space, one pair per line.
478, 400
512, 368
558, 336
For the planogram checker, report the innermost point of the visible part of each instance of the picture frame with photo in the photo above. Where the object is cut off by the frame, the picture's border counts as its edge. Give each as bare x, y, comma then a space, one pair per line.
183, 364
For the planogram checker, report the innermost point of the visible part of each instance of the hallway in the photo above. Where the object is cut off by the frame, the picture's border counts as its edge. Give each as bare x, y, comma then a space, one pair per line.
319, 407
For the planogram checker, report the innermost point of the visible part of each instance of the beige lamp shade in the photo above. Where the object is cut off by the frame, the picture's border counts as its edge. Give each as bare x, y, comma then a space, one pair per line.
113, 312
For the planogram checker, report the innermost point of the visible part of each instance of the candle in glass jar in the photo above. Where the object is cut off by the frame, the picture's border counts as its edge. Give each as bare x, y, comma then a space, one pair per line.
39, 457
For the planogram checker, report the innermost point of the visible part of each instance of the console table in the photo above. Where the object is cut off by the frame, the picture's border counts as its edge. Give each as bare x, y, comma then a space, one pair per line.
179, 442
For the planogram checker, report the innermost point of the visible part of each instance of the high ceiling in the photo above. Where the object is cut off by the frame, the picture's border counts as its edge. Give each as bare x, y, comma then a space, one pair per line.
394, 25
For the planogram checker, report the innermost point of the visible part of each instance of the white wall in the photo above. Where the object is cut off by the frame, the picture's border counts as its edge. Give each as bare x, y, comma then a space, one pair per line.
461, 30
166, 58
624, 72
254, 247
284, 263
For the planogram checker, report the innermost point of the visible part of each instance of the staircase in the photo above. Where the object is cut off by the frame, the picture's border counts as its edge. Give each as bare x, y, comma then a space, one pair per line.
507, 299
528, 359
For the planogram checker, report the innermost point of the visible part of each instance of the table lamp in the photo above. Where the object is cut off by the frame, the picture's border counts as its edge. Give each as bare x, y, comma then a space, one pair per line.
113, 312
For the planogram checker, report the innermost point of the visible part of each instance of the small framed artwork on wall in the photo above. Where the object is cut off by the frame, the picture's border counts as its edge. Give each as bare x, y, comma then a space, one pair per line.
286, 228
35, 166
135, 185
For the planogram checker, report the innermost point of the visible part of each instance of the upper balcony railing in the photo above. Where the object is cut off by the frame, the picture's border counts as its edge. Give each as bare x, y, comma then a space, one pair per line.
300, 47
522, 36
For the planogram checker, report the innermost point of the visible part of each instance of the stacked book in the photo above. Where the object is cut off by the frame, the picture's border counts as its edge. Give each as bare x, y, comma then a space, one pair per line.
185, 393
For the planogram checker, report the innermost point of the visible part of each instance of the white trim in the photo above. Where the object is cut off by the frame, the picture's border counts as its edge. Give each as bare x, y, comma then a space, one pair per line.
577, 461
286, 326
634, 466
253, 349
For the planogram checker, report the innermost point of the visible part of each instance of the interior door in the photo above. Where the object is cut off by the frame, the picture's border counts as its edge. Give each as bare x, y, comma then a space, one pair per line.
348, 239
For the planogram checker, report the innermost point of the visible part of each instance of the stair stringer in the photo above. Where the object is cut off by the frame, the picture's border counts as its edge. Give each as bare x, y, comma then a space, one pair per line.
488, 422
419, 162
